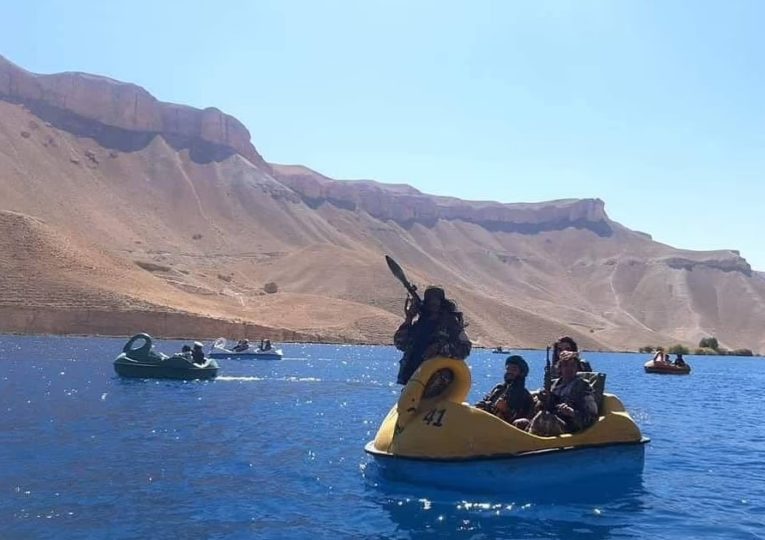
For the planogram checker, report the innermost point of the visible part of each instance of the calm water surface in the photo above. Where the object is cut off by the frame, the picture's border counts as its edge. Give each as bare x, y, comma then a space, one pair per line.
275, 450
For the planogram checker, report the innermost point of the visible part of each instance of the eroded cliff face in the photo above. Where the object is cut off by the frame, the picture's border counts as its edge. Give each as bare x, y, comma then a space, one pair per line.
732, 263
406, 205
124, 211
123, 115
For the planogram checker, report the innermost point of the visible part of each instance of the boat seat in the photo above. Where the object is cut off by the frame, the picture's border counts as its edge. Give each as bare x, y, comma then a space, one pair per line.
597, 381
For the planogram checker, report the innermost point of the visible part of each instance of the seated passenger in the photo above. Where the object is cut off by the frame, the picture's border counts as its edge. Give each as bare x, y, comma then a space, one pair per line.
265, 345
186, 352
571, 400
567, 344
510, 401
660, 357
243, 345
679, 360
197, 354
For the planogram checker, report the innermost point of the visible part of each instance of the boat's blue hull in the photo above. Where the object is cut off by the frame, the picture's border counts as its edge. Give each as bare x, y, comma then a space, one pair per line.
499, 475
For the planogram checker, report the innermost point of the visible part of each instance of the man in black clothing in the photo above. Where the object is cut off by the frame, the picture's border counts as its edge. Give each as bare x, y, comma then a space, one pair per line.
186, 352
438, 331
241, 346
197, 354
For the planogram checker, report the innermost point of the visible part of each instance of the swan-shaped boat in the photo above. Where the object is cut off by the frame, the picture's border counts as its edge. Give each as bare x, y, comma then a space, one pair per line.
219, 350
666, 368
145, 363
431, 421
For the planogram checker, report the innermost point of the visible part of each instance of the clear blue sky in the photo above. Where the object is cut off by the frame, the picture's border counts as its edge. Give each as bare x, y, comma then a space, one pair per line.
656, 107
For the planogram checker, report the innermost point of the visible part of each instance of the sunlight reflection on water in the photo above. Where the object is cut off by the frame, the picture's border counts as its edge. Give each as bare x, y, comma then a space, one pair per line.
275, 450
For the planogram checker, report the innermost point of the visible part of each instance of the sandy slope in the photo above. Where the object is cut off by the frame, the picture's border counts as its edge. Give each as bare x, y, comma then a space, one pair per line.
95, 239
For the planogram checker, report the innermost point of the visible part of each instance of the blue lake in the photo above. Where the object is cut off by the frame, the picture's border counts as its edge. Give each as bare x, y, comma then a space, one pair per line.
274, 449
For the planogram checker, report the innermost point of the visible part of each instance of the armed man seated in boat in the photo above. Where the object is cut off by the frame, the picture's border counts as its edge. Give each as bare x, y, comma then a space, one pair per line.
197, 354
242, 345
510, 400
438, 331
571, 402
567, 344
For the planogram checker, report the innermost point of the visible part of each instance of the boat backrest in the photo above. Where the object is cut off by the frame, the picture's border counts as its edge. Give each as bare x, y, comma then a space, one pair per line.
178, 361
597, 381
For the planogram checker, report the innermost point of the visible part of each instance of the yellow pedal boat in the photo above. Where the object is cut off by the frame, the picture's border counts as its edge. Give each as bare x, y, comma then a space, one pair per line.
432, 421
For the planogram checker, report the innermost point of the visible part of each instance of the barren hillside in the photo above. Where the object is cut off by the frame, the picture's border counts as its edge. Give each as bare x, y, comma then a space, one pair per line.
121, 213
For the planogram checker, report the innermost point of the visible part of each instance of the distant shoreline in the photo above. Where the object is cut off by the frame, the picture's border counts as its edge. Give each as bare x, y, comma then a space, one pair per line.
177, 338
330, 342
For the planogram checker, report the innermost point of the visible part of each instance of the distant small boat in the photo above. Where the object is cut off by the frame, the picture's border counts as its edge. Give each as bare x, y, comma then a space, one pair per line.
666, 368
219, 350
145, 363
500, 350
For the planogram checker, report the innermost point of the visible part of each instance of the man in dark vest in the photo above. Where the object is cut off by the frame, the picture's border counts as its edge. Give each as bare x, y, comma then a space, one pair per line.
197, 354
572, 403
511, 400
437, 331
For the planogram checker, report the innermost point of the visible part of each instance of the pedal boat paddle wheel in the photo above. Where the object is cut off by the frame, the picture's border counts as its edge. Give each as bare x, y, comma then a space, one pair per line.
431, 421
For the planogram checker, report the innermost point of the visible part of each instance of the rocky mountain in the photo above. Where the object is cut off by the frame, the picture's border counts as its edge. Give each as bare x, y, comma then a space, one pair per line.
120, 213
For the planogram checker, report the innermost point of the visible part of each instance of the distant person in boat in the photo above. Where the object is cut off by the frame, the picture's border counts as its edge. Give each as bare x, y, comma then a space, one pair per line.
567, 344
660, 357
438, 330
571, 401
242, 345
679, 360
186, 352
510, 400
265, 344
197, 354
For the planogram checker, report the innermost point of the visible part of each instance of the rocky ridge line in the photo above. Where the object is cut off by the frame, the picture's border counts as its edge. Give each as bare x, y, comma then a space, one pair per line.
121, 110
406, 205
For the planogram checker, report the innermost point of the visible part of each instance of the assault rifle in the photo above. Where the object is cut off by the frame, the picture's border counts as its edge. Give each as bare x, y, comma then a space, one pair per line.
548, 384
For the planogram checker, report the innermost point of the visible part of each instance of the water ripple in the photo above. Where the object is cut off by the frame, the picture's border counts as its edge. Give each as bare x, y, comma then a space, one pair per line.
86, 454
